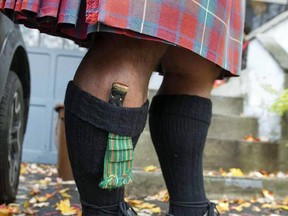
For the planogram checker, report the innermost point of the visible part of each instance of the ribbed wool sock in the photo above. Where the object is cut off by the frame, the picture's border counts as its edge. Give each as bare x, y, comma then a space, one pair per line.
88, 121
179, 126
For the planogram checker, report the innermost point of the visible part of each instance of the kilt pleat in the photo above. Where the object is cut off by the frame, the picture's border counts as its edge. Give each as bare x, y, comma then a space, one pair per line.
210, 28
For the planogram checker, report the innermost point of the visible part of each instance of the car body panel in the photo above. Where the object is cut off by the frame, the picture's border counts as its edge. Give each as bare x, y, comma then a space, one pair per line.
10, 41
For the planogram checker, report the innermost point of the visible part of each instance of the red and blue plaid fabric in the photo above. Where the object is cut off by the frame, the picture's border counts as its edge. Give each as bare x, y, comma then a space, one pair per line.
210, 28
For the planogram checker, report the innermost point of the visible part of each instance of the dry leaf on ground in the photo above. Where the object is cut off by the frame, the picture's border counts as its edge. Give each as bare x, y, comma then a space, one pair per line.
150, 168
268, 195
64, 194
65, 207
251, 138
223, 206
11, 209
236, 172
139, 204
162, 196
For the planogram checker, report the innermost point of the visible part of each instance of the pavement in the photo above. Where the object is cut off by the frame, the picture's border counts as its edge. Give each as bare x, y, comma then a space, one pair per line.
40, 189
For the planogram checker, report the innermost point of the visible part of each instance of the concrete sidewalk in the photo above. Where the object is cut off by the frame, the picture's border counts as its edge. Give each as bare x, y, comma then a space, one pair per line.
40, 181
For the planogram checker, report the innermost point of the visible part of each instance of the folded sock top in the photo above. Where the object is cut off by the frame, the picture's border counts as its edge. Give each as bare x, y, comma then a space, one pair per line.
190, 106
119, 120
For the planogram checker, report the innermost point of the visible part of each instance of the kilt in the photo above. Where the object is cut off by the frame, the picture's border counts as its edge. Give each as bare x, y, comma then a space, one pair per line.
210, 28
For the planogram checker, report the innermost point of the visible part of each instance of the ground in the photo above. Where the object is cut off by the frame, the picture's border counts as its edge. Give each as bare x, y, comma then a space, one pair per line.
41, 191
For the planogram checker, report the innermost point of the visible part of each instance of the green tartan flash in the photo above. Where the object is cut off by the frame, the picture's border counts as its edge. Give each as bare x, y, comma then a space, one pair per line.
119, 152
118, 162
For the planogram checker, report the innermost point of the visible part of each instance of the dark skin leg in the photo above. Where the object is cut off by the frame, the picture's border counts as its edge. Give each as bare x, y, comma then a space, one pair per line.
187, 73
117, 58
112, 58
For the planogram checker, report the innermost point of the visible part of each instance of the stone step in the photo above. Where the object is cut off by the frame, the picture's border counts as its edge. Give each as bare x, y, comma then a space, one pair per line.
248, 156
230, 127
227, 105
232, 88
221, 105
217, 187
227, 122
145, 154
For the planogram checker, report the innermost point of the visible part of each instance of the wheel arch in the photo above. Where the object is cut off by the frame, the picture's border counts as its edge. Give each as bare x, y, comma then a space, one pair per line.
20, 65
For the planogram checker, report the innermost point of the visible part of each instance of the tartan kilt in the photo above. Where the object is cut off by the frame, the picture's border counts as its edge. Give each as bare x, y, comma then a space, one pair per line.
210, 28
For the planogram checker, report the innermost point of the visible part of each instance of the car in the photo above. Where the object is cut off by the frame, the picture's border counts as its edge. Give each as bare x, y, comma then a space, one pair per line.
14, 105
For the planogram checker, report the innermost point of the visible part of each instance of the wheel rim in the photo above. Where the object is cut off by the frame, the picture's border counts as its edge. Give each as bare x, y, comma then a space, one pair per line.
15, 137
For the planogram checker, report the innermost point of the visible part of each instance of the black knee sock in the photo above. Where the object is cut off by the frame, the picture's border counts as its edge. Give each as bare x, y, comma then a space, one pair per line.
179, 126
88, 121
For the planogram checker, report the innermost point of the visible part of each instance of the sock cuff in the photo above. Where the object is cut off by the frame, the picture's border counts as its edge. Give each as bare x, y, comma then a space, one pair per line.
119, 120
190, 106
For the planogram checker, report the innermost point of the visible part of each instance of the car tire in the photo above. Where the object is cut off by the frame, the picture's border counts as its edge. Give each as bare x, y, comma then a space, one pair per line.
11, 137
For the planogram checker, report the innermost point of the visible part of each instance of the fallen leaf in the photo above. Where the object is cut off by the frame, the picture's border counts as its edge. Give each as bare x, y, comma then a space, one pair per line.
23, 169
284, 207
237, 208
246, 204
269, 206
156, 210
50, 195
256, 209
139, 204
64, 194
268, 195
71, 182
251, 138
162, 196
26, 204
223, 206
240, 207
280, 175
33, 200
41, 198
145, 205
4, 212
254, 200
222, 172
30, 211
13, 208
35, 189
41, 205
239, 201
22, 196
79, 213
256, 174
64, 190
150, 168
65, 207
236, 172
264, 172
134, 202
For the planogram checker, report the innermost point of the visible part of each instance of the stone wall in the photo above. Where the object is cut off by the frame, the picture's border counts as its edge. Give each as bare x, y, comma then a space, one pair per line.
265, 79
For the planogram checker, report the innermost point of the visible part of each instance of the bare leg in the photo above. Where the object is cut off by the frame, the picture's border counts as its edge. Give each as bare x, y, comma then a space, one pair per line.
89, 118
179, 120
122, 59
187, 73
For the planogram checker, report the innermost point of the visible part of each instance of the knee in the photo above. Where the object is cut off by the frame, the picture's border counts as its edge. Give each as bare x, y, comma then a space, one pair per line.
185, 84
187, 73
